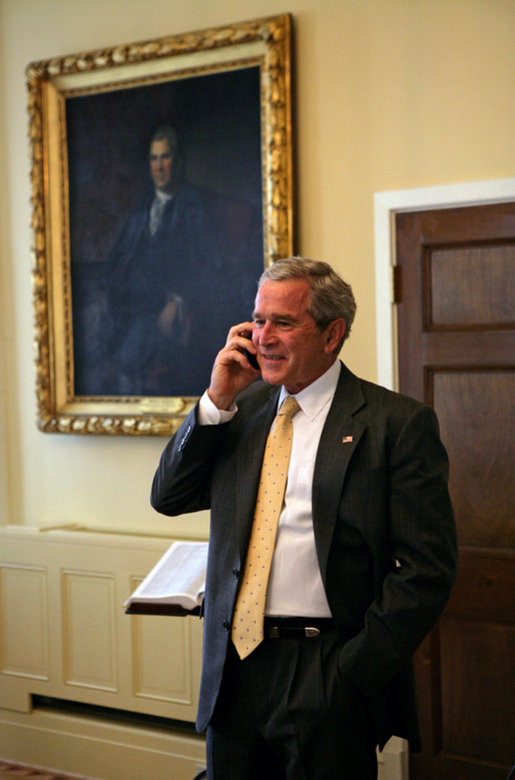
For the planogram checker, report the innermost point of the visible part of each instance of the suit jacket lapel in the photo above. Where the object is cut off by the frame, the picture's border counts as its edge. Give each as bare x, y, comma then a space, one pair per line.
340, 437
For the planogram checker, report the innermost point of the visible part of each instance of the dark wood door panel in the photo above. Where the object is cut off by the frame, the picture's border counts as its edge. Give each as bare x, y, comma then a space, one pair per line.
453, 737
476, 410
470, 286
485, 587
477, 682
459, 225
470, 349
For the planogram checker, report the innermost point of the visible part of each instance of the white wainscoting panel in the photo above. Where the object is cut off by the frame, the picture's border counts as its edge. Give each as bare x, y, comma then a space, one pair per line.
89, 629
162, 658
23, 614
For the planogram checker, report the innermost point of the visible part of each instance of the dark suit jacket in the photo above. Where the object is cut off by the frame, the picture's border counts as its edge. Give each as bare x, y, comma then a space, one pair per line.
383, 526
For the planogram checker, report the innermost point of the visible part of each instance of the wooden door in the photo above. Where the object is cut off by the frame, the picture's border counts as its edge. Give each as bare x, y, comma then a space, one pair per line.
455, 285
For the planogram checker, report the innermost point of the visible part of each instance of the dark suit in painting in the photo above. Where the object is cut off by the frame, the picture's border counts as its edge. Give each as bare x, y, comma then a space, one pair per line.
383, 526
179, 266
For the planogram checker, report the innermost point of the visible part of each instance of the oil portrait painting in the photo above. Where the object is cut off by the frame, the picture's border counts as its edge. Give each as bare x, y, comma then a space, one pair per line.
162, 187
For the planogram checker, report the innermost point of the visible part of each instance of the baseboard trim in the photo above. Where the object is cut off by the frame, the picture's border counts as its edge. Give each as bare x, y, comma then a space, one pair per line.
102, 747
98, 748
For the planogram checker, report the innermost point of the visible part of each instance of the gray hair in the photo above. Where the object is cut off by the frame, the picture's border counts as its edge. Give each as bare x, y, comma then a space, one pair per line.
330, 298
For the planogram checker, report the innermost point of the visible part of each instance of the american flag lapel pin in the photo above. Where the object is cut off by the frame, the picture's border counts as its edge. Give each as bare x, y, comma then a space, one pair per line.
347, 439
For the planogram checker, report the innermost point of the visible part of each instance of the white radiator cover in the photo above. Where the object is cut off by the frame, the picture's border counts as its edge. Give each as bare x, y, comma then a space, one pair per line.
64, 635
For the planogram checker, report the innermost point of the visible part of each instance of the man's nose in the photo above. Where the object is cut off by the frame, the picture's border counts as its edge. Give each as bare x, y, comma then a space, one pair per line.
267, 332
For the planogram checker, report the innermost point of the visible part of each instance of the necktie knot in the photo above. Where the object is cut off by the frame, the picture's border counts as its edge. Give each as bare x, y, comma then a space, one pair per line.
289, 406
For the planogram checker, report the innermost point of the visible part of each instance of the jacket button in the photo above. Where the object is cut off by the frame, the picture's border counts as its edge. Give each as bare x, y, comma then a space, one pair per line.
226, 625
236, 573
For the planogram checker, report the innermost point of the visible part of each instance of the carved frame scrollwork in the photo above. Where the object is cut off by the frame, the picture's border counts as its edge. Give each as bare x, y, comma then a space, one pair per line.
50, 83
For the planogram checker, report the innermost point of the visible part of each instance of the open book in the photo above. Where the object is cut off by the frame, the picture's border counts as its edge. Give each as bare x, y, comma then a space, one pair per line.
175, 586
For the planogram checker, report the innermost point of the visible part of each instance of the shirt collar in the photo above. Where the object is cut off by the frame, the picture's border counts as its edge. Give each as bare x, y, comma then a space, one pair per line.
163, 196
315, 396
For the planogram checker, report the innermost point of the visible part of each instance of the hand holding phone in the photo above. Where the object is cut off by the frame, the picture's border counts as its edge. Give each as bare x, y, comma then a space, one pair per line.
235, 367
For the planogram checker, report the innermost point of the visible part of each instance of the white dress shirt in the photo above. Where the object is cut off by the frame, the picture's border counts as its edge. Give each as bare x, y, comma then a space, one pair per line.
156, 210
295, 586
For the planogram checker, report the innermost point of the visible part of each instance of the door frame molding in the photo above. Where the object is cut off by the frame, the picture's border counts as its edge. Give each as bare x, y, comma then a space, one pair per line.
386, 205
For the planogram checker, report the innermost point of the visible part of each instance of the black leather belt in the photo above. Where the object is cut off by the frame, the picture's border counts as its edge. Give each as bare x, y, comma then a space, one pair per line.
296, 628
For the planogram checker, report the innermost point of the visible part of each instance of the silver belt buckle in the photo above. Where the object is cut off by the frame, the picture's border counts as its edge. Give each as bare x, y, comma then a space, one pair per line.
311, 631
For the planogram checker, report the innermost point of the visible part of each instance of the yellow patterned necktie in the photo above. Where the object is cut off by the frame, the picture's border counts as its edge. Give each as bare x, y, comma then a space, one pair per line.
247, 626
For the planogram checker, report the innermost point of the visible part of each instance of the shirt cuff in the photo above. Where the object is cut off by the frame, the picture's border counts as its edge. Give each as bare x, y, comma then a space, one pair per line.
209, 414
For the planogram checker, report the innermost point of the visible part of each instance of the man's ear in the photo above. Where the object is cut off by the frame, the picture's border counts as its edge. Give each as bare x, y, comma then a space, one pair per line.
335, 331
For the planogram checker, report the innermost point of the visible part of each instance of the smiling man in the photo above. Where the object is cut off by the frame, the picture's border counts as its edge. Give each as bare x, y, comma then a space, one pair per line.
291, 347
332, 543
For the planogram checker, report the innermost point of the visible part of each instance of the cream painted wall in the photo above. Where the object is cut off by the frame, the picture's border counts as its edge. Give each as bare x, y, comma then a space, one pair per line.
390, 94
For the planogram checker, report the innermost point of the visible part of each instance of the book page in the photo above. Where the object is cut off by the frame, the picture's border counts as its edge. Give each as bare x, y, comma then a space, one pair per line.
180, 572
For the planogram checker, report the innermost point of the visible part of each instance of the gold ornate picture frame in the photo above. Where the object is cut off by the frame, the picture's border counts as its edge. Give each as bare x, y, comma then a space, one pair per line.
128, 316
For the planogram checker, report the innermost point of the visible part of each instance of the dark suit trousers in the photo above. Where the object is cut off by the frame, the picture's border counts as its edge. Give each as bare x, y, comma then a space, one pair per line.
284, 712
